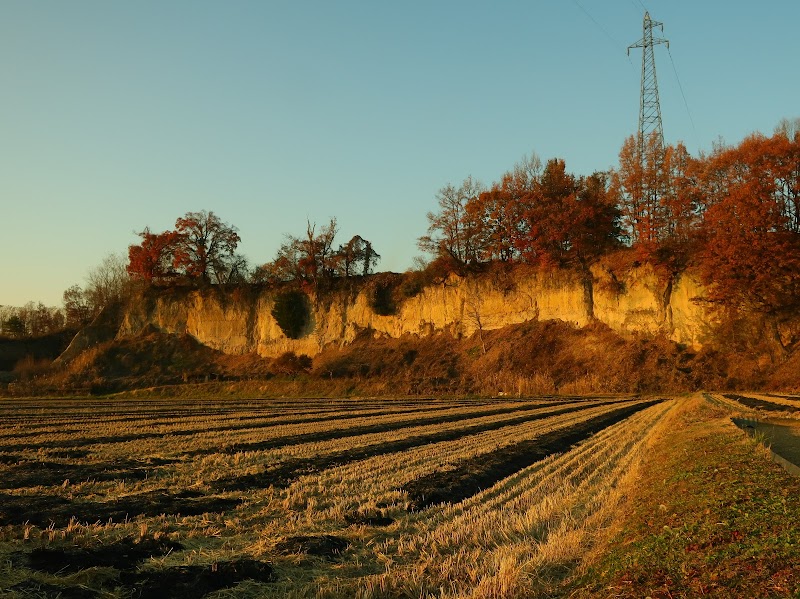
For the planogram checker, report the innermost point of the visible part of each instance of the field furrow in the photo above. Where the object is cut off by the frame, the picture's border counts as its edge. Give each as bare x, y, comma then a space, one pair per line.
759, 403
483, 471
316, 499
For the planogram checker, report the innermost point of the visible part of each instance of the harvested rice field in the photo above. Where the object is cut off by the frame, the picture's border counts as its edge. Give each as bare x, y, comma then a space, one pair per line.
322, 498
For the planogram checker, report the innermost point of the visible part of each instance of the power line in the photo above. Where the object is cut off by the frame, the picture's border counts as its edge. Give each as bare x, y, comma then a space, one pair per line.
596, 22
680, 87
615, 41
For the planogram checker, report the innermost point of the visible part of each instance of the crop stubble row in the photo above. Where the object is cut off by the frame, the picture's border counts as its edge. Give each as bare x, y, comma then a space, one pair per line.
367, 468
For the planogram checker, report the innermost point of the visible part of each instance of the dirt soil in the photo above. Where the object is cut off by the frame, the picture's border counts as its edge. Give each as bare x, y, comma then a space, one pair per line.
327, 546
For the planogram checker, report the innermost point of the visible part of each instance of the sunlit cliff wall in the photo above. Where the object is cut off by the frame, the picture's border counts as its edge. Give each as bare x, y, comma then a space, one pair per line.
638, 302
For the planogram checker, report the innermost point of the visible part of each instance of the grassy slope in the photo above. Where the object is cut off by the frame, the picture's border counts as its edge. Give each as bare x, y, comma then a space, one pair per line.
711, 516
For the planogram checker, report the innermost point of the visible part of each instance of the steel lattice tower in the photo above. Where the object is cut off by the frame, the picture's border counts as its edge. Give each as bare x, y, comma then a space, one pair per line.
649, 106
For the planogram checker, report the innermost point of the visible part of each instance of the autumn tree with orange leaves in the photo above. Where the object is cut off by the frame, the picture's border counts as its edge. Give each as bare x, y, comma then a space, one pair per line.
314, 261
207, 246
544, 216
201, 248
750, 257
154, 258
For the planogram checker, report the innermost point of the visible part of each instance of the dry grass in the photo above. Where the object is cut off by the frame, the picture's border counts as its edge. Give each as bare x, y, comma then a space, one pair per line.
712, 516
517, 538
520, 360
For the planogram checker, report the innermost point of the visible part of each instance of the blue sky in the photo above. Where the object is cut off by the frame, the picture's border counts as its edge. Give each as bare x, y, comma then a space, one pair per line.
120, 115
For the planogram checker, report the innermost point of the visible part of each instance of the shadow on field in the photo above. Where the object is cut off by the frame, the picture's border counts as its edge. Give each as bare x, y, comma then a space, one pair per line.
47, 474
190, 582
761, 404
366, 429
175, 582
121, 555
283, 474
43, 510
327, 546
44, 590
481, 472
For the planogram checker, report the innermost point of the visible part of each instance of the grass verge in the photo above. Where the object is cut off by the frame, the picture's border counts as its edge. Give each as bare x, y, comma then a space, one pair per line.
711, 516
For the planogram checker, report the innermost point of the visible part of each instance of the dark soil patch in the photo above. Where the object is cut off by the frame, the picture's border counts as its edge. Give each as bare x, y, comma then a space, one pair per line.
760, 404
47, 474
43, 510
361, 519
10, 458
43, 590
122, 555
69, 453
35, 509
327, 546
190, 582
481, 472
283, 474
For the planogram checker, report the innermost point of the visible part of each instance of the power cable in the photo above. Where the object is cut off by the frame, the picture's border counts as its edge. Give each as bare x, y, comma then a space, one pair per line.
596, 22
615, 41
680, 87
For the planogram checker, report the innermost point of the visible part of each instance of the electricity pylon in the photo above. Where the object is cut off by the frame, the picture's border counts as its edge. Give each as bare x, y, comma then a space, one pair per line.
649, 106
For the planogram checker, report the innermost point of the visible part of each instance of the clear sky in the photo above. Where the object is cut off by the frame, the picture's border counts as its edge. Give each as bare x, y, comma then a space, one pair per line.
120, 115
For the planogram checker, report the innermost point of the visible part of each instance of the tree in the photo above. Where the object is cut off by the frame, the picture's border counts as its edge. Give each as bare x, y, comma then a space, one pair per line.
155, 258
357, 256
751, 249
494, 219
595, 224
285, 266
788, 128
238, 270
315, 258
76, 307
41, 320
639, 185
326, 258
14, 326
202, 247
107, 283
205, 246
450, 231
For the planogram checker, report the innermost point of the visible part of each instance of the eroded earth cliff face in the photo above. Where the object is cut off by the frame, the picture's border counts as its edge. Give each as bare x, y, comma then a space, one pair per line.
637, 302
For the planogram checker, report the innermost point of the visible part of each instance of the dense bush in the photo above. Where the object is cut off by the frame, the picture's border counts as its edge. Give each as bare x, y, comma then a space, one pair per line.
381, 294
291, 312
289, 363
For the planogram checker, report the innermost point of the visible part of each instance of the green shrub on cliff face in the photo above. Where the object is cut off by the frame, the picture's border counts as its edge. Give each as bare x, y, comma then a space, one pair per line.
381, 296
291, 313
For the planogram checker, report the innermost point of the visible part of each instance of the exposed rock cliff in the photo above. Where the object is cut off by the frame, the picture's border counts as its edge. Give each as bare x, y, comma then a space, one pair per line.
639, 301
